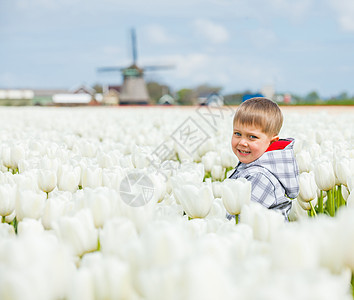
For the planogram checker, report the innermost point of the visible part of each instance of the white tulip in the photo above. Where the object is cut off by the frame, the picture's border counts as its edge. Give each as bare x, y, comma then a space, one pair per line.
264, 222
6, 231
100, 204
228, 158
69, 178
18, 153
30, 204
209, 160
324, 175
303, 159
7, 199
91, 177
54, 208
342, 170
297, 212
78, 232
306, 205
217, 188
111, 276
235, 193
217, 172
196, 200
308, 187
47, 180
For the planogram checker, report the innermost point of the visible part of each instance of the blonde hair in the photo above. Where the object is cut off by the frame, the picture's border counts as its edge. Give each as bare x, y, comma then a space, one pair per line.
260, 112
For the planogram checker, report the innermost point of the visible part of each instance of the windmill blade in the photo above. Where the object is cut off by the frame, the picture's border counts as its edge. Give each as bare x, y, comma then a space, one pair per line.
135, 54
154, 68
110, 69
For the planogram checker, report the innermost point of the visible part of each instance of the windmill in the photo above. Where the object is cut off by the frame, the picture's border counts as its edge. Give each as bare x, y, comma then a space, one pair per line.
133, 90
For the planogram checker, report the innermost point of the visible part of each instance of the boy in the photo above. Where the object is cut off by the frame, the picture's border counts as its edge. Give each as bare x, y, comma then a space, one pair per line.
267, 162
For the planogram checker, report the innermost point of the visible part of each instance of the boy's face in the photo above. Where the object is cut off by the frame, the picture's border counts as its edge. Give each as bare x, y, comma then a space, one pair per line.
250, 142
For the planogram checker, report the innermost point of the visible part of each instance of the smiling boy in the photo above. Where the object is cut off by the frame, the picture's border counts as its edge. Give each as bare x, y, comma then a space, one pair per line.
265, 160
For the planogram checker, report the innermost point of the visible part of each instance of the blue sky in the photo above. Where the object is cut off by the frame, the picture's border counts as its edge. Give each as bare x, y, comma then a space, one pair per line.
296, 46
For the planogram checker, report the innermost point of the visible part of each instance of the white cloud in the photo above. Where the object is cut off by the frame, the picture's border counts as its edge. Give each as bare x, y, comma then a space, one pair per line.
262, 37
158, 34
345, 13
213, 32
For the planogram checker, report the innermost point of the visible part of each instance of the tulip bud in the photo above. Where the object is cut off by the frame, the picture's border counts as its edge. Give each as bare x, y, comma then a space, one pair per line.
217, 172
69, 178
324, 175
308, 187
17, 153
92, 177
47, 180
209, 160
303, 159
235, 193
306, 204
78, 232
228, 158
342, 170
7, 199
29, 204
196, 200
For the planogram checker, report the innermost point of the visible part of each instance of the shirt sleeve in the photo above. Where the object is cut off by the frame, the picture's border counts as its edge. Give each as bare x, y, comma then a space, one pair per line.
262, 189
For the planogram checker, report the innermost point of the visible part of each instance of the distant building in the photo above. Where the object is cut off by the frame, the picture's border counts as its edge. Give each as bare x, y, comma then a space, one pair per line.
81, 95
166, 100
16, 96
213, 99
111, 95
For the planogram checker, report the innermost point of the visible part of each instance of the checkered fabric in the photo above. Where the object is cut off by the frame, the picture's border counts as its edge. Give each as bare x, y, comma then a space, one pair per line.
274, 178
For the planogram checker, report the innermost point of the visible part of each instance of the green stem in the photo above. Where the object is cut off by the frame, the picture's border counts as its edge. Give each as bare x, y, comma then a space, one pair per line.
330, 203
2, 219
236, 218
352, 284
313, 210
320, 203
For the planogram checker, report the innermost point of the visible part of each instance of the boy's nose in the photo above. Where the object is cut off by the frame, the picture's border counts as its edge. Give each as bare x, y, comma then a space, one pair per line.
243, 142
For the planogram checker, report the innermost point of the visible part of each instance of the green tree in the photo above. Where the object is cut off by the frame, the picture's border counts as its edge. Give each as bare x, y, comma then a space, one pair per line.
186, 97
98, 88
312, 97
157, 90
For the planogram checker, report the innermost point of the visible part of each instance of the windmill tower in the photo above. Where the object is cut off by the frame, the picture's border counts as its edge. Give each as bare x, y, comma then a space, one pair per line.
133, 90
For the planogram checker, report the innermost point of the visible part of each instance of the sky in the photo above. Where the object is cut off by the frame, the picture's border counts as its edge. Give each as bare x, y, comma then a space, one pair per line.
294, 46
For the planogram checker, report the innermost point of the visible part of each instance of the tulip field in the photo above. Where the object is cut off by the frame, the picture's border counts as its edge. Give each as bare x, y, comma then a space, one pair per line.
132, 203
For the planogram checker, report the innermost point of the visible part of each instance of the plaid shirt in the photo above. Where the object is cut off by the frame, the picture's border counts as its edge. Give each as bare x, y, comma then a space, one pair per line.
274, 178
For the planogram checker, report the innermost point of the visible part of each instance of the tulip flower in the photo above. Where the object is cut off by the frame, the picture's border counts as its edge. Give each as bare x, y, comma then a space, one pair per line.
342, 170
30, 204
308, 187
217, 172
47, 180
196, 200
7, 199
303, 159
54, 208
209, 160
18, 153
69, 178
324, 175
264, 222
78, 232
235, 193
91, 177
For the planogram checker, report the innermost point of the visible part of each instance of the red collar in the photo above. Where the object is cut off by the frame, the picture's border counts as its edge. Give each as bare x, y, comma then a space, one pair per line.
278, 145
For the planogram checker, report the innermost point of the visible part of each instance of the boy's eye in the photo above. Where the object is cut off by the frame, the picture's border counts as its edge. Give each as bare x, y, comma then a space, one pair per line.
237, 133
253, 137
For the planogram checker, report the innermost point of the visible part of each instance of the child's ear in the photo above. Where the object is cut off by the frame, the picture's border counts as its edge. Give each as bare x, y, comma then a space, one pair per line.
274, 139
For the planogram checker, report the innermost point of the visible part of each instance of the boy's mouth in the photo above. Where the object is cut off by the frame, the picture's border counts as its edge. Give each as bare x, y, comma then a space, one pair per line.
243, 152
